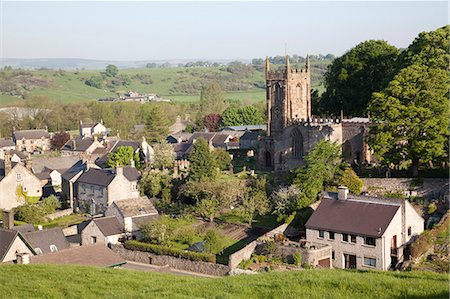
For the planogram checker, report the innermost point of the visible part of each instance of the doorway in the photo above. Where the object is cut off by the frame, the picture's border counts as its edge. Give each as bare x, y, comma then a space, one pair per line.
349, 261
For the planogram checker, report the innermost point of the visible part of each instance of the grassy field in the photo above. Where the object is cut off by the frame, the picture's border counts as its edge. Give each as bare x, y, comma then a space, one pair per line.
178, 84
39, 281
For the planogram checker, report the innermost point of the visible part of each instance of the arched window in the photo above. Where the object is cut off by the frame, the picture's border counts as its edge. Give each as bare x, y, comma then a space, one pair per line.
297, 143
278, 93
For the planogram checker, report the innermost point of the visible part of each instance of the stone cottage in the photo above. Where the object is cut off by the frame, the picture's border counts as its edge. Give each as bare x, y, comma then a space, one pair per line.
32, 140
104, 230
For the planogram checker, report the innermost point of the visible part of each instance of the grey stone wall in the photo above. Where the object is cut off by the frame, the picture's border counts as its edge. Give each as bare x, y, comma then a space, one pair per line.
243, 254
172, 262
430, 188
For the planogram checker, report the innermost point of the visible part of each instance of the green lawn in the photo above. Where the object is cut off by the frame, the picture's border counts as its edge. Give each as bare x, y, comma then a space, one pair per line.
66, 221
40, 281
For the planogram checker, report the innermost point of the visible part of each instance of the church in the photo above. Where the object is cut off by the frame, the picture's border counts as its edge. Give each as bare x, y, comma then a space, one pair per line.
292, 131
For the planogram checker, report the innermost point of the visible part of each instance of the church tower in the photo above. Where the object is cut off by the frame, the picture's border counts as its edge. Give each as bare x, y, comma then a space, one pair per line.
288, 96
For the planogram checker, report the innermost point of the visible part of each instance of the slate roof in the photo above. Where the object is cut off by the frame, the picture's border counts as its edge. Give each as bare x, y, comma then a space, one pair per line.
131, 173
247, 128
360, 217
40, 164
181, 148
25, 228
250, 135
88, 255
88, 125
136, 207
109, 226
141, 220
74, 170
104, 152
19, 154
44, 238
99, 177
7, 237
205, 135
81, 144
219, 139
31, 134
6, 142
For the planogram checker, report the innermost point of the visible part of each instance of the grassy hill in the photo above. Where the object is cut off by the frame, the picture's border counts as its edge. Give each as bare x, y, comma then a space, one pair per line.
177, 83
37, 281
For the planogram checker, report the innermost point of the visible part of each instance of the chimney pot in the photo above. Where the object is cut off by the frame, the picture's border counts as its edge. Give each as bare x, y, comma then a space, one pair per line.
8, 219
39, 227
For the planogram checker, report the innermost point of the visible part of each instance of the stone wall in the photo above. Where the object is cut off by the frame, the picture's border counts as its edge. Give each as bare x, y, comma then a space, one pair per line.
70, 231
172, 262
240, 255
430, 188
59, 214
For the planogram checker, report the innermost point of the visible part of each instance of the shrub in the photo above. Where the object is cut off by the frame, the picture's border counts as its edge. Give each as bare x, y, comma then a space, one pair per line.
245, 264
351, 180
297, 259
432, 208
271, 248
164, 250
214, 241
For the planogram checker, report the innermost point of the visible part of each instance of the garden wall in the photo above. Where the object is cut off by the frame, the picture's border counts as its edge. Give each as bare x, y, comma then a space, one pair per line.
172, 262
59, 214
428, 187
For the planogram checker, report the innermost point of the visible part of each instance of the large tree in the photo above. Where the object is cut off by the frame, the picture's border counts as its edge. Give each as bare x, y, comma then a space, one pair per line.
212, 99
411, 117
122, 156
352, 78
157, 124
203, 164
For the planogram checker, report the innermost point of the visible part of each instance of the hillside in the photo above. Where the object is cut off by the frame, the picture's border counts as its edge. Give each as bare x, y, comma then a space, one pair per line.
84, 282
176, 83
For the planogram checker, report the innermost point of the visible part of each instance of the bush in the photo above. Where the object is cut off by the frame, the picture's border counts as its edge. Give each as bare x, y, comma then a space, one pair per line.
35, 213
297, 259
271, 248
163, 250
214, 242
432, 208
351, 180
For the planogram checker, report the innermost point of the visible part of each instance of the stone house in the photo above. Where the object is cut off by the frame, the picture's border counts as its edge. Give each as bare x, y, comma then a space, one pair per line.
82, 146
132, 213
179, 125
364, 232
32, 140
47, 240
54, 166
69, 188
6, 144
99, 188
17, 181
12, 243
104, 230
91, 129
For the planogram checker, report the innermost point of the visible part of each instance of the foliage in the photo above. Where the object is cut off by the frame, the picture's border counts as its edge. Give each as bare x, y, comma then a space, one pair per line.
284, 201
432, 208
297, 258
429, 238
122, 156
111, 70
352, 78
247, 115
222, 158
271, 248
212, 122
59, 139
156, 184
165, 230
35, 213
214, 242
321, 165
351, 180
157, 124
164, 156
164, 250
212, 99
88, 282
95, 81
203, 166
254, 199
209, 208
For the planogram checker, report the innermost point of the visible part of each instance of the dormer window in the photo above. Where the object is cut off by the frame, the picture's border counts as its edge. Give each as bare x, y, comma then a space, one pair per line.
38, 251
53, 248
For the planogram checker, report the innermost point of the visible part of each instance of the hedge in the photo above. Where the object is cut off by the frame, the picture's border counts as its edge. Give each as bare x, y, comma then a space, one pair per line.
164, 250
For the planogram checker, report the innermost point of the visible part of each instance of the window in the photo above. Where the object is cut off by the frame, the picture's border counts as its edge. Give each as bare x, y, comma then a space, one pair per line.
53, 248
93, 239
38, 251
345, 237
18, 177
332, 255
321, 234
370, 262
369, 241
331, 235
409, 231
297, 143
353, 238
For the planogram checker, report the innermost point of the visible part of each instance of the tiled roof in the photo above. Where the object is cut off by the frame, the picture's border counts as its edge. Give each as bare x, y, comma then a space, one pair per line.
109, 226
6, 142
52, 163
367, 218
88, 255
25, 228
81, 144
100, 177
141, 220
44, 238
136, 207
31, 134
7, 237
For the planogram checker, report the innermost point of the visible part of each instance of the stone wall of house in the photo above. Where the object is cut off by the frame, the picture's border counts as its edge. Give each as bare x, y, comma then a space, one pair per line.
59, 214
172, 262
430, 188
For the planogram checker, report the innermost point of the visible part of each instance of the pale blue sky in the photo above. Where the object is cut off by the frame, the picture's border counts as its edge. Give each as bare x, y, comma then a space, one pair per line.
209, 30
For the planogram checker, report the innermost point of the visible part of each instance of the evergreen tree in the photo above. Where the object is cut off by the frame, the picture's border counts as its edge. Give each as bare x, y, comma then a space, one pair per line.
157, 124
203, 166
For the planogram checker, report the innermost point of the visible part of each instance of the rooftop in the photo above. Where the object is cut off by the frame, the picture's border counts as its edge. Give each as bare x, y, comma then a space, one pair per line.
109, 226
31, 134
44, 238
136, 207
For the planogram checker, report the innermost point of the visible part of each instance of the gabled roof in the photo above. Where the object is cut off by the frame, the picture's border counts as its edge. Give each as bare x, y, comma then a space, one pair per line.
74, 170
88, 255
31, 134
247, 127
19, 154
219, 139
25, 228
89, 125
360, 217
205, 135
81, 144
41, 164
109, 226
136, 207
7, 237
141, 220
44, 238
100, 177
131, 173
250, 135
6, 142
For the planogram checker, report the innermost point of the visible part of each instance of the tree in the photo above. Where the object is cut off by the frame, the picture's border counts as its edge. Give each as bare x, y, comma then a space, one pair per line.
321, 165
247, 115
412, 117
212, 122
164, 155
156, 184
203, 166
157, 124
59, 139
222, 158
212, 99
254, 201
214, 241
208, 208
111, 70
95, 81
122, 156
352, 78
284, 201
351, 180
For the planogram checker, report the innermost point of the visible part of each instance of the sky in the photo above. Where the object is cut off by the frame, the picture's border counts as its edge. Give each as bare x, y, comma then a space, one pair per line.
207, 30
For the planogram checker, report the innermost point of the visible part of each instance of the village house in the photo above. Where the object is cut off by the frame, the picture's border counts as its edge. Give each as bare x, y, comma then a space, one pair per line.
99, 188
47, 240
82, 146
12, 243
6, 144
364, 232
104, 230
132, 213
32, 140
69, 188
91, 129
179, 125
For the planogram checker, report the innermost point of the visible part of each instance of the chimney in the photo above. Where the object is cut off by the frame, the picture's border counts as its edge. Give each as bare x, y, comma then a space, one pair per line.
39, 227
119, 170
95, 138
23, 258
8, 219
8, 165
132, 163
29, 163
342, 193
74, 144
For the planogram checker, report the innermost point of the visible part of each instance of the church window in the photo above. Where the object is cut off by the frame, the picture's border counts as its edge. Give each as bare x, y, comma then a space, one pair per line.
297, 143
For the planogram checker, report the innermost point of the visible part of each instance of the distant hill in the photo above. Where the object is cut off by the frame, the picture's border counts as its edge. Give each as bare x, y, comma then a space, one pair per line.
46, 281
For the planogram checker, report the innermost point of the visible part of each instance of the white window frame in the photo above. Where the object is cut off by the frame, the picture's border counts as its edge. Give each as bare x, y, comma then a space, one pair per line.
38, 251
370, 264
53, 248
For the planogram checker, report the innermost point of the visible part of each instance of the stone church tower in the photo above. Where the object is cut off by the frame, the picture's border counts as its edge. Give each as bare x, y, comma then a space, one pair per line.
288, 94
